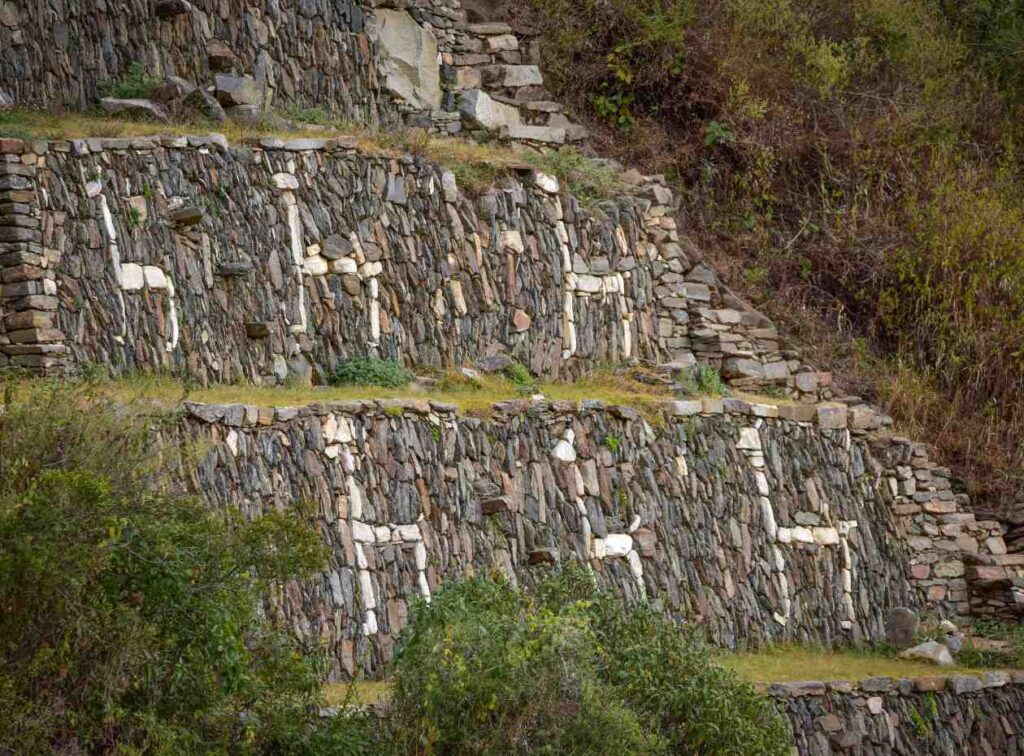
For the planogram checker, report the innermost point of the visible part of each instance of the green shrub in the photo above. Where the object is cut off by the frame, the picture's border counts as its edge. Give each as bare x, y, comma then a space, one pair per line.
617, 53
862, 160
135, 84
487, 668
1013, 656
315, 116
521, 377
128, 614
702, 380
371, 371
587, 179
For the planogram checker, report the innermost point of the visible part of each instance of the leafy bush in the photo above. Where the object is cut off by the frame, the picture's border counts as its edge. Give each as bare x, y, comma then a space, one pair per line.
1012, 656
617, 53
488, 668
611, 443
371, 371
128, 614
521, 377
589, 180
702, 380
135, 84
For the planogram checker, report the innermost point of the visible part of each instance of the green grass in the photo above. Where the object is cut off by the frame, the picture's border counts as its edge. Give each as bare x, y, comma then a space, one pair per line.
790, 663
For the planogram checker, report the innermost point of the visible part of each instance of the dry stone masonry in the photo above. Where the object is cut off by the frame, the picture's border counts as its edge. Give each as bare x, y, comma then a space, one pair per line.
254, 261
272, 260
961, 715
422, 65
313, 53
762, 523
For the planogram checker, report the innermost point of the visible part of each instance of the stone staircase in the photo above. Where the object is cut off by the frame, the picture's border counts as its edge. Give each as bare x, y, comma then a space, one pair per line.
489, 83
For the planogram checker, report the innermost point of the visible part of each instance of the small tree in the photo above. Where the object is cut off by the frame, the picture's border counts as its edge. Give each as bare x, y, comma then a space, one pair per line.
487, 668
128, 614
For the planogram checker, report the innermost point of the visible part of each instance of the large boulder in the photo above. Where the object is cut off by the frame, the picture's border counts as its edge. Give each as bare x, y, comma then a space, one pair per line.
173, 89
931, 651
205, 104
410, 58
135, 108
480, 111
233, 91
901, 627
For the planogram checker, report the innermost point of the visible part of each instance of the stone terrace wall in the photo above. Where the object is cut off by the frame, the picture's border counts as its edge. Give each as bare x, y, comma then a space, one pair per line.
958, 716
414, 62
313, 52
758, 527
233, 263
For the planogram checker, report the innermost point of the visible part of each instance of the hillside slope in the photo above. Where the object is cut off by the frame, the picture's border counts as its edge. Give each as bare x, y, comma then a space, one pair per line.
852, 167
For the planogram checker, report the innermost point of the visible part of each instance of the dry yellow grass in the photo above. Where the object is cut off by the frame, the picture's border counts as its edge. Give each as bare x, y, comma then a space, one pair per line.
358, 693
791, 663
778, 664
162, 393
38, 124
477, 165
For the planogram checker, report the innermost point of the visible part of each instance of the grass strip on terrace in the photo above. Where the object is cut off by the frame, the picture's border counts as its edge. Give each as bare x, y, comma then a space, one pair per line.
163, 393
794, 663
769, 665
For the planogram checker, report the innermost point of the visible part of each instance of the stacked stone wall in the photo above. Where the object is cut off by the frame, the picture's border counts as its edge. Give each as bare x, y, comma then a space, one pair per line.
957, 716
759, 526
235, 263
314, 53
433, 70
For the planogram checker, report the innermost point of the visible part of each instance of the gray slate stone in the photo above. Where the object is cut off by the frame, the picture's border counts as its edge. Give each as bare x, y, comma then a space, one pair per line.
237, 90
409, 52
932, 651
135, 107
900, 627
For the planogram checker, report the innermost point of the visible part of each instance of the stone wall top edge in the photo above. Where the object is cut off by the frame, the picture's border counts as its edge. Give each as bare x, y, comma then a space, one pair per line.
825, 415
339, 144
958, 684
91, 145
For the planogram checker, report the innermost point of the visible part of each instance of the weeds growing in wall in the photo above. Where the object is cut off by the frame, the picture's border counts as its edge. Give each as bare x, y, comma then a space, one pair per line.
135, 84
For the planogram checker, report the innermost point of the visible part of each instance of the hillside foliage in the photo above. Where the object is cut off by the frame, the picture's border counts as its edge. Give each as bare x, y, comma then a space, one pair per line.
854, 166
487, 668
128, 614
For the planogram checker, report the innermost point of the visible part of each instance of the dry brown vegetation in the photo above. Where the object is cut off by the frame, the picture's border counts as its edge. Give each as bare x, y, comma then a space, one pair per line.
854, 168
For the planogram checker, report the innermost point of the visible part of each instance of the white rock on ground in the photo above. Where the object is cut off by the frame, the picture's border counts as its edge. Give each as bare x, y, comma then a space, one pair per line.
930, 651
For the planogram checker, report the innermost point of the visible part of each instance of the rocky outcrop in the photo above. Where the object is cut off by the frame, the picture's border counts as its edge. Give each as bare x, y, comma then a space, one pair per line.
167, 253
409, 58
957, 716
755, 524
